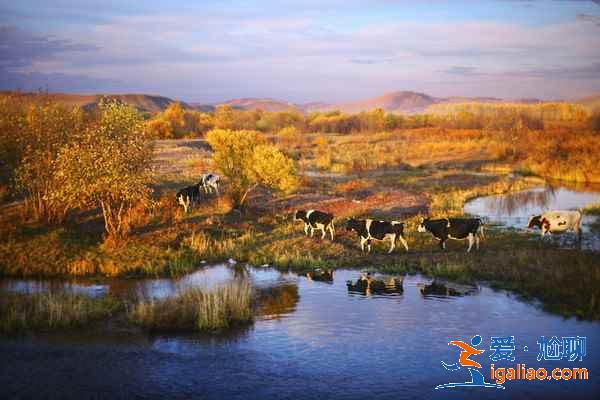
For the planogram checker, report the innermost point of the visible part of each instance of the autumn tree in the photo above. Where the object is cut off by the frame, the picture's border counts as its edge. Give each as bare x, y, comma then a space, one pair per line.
108, 167
247, 160
48, 127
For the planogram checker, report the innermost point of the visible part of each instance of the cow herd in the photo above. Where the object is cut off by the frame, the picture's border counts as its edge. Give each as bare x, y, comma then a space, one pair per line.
442, 229
369, 230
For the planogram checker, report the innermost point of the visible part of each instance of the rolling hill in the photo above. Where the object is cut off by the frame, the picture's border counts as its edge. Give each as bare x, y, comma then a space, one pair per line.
143, 102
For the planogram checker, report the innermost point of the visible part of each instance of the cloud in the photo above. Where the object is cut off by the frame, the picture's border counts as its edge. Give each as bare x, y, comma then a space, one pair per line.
20, 48
57, 82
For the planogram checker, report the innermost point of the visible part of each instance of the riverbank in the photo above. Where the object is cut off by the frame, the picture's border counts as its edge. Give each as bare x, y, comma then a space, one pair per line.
164, 242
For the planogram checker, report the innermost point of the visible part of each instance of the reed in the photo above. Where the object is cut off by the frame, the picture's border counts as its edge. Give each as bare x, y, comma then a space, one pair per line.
47, 311
197, 309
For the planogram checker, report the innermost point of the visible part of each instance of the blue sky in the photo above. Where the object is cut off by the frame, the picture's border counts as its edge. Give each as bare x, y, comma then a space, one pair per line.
303, 51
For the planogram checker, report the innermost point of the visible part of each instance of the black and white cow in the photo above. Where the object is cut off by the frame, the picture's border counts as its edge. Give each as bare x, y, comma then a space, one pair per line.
453, 228
315, 219
189, 197
369, 230
210, 183
557, 222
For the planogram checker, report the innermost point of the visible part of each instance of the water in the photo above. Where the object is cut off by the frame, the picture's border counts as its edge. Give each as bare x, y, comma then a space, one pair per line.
514, 209
311, 340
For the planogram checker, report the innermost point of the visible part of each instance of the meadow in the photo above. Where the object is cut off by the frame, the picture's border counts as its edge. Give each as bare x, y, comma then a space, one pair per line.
369, 164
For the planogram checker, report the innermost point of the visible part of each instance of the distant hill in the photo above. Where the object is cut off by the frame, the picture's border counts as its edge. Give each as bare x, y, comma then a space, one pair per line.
251, 103
408, 102
142, 102
402, 101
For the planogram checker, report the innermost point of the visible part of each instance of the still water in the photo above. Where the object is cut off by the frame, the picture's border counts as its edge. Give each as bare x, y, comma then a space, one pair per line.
514, 209
311, 340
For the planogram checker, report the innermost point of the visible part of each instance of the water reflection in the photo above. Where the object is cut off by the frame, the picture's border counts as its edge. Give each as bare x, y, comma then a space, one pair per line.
369, 284
446, 289
321, 275
277, 301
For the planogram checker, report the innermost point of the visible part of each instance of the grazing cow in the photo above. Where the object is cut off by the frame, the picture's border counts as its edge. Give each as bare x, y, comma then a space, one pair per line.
315, 219
557, 222
210, 183
369, 230
188, 197
453, 228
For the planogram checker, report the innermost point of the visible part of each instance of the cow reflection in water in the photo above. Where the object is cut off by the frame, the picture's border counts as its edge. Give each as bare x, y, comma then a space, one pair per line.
368, 284
445, 289
276, 301
321, 275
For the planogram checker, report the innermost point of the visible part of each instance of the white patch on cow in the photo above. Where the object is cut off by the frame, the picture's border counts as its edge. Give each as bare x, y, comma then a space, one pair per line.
308, 213
392, 237
471, 241
368, 223
421, 228
362, 243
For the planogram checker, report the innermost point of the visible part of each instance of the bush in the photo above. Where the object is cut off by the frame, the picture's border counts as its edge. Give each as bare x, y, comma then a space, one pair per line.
247, 161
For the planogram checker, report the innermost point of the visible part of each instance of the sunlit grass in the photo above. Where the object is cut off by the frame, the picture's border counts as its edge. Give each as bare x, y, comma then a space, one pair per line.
47, 311
197, 309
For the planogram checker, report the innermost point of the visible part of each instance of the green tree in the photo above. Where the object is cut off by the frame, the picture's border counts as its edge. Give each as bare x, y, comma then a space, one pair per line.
245, 158
108, 167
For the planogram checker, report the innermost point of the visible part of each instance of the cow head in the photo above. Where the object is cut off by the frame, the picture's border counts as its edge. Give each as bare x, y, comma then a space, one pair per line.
535, 221
299, 214
352, 224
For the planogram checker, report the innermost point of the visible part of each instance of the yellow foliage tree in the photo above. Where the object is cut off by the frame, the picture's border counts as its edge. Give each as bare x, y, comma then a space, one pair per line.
109, 167
246, 159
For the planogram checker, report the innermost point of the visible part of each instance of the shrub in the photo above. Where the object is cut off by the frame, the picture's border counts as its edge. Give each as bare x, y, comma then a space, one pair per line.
247, 161
289, 137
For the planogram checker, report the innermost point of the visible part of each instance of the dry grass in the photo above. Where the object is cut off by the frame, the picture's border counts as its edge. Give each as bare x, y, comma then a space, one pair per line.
45, 311
197, 309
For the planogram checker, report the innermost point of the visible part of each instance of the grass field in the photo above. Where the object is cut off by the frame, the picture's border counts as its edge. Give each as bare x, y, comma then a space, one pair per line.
417, 174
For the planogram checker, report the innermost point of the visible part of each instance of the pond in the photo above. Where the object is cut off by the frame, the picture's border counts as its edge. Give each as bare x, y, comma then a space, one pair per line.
513, 209
312, 339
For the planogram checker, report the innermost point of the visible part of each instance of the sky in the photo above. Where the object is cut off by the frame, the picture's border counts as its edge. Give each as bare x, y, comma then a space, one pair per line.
302, 50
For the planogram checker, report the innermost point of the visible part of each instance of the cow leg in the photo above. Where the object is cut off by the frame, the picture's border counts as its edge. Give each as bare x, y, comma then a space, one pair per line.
403, 241
217, 190
393, 244
443, 244
471, 240
322, 228
331, 230
368, 245
305, 229
477, 242
362, 244
312, 230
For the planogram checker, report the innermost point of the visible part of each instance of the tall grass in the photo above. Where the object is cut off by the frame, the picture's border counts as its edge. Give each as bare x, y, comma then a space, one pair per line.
197, 309
45, 311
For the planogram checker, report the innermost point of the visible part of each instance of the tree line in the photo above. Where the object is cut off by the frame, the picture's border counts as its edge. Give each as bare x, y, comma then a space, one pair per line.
177, 122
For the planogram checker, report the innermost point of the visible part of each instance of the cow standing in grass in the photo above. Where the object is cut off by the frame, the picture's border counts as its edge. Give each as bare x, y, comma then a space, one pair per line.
369, 230
315, 219
453, 228
557, 222
188, 197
